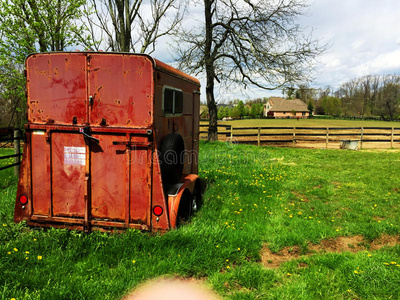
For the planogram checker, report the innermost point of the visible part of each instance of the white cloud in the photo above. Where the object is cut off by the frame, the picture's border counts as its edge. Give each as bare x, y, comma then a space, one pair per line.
364, 38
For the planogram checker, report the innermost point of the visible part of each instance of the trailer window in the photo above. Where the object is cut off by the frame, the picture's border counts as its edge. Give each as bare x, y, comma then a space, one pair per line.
173, 101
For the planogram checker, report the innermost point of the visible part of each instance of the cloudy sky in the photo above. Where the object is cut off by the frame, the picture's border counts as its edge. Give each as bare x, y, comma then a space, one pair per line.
364, 38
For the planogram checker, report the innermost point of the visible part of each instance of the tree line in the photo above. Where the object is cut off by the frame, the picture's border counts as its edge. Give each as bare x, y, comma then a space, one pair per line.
367, 96
235, 42
251, 109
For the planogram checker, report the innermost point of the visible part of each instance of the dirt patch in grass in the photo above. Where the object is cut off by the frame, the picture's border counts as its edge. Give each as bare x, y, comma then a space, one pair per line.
300, 197
340, 244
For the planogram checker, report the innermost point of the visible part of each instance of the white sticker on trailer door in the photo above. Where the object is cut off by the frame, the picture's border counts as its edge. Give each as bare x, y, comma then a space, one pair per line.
75, 156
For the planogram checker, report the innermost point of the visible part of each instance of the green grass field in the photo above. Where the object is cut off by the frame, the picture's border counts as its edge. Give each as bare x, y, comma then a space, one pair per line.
257, 199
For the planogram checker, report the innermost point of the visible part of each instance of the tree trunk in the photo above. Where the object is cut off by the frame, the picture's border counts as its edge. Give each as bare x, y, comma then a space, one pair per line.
212, 108
209, 64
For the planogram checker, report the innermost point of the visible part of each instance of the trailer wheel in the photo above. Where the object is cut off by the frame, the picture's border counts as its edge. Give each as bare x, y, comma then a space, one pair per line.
172, 158
197, 198
185, 208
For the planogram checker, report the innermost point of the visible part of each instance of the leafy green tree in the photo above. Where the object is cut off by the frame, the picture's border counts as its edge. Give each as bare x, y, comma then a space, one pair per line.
28, 26
241, 109
310, 107
331, 105
234, 113
246, 111
222, 112
12, 96
257, 110
38, 26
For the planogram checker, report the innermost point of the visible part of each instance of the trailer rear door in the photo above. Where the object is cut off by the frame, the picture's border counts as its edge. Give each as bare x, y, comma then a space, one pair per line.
73, 177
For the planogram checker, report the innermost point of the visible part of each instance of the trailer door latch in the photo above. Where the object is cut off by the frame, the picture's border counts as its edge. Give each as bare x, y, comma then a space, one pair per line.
86, 132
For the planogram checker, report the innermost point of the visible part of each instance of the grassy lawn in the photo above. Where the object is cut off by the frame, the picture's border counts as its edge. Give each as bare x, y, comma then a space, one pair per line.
257, 200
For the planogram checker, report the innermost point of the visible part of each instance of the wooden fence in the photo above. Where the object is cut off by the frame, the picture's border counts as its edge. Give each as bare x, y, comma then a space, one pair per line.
8, 136
310, 137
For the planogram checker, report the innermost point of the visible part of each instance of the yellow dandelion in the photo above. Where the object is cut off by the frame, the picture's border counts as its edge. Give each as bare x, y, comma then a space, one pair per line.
9, 252
26, 252
228, 267
288, 274
355, 272
4, 225
27, 258
386, 263
15, 249
39, 257
393, 263
133, 261
238, 249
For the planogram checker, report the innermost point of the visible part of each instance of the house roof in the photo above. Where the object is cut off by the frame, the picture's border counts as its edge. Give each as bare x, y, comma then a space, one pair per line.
279, 104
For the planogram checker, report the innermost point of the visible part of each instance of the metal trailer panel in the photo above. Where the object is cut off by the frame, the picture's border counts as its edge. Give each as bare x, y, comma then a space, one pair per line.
56, 85
120, 90
69, 179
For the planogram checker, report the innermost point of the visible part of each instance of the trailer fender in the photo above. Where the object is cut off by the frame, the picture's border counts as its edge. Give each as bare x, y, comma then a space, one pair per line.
185, 193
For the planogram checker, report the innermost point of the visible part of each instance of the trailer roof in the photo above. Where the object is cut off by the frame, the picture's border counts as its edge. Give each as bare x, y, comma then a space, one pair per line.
174, 72
158, 65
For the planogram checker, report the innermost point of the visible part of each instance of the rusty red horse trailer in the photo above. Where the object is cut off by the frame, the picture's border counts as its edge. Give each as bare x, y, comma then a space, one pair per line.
111, 142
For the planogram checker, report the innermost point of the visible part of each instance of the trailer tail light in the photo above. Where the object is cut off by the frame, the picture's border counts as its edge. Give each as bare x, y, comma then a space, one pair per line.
158, 210
23, 199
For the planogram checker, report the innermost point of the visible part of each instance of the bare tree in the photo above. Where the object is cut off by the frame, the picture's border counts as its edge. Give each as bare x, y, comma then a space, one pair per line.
133, 25
248, 43
389, 100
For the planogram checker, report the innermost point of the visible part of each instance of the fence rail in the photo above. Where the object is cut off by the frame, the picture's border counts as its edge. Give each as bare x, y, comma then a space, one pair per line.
311, 137
8, 135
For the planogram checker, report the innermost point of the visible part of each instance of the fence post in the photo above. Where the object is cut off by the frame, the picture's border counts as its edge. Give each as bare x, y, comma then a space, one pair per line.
391, 139
327, 137
294, 136
361, 138
258, 137
17, 150
231, 133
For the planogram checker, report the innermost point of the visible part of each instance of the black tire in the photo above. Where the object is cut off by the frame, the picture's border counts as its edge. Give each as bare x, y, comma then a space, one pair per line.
185, 208
197, 197
171, 158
